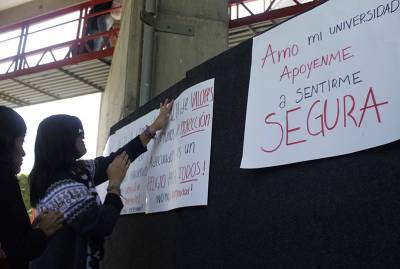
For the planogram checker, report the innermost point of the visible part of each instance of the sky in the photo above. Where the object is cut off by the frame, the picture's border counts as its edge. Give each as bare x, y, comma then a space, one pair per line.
86, 108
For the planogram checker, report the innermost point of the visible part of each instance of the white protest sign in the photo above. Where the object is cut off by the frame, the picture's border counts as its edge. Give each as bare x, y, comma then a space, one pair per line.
325, 83
174, 171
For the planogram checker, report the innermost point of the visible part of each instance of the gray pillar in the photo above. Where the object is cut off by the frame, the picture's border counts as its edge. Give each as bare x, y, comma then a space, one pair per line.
176, 54
173, 56
147, 56
121, 93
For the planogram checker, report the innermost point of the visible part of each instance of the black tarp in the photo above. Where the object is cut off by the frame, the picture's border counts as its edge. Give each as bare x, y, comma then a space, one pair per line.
340, 212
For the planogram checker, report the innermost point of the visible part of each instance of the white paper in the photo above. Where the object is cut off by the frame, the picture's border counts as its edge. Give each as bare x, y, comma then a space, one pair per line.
174, 171
323, 84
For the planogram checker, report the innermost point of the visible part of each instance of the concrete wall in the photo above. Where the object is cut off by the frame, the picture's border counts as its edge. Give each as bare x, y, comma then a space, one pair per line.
33, 9
121, 93
173, 55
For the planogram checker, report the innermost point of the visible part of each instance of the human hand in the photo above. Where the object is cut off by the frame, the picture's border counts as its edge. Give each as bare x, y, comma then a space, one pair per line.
116, 170
163, 117
49, 222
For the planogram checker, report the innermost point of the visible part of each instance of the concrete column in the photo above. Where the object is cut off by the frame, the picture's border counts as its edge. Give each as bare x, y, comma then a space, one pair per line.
121, 93
173, 55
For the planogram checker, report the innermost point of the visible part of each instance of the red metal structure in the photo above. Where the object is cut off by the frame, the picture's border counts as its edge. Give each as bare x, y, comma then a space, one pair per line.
77, 49
251, 17
269, 13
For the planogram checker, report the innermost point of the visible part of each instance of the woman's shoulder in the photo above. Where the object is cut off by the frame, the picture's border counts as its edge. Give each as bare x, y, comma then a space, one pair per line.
67, 196
5, 172
8, 183
88, 165
63, 186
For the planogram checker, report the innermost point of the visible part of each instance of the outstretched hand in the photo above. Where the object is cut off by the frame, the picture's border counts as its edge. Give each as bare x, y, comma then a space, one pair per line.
159, 123
163, 117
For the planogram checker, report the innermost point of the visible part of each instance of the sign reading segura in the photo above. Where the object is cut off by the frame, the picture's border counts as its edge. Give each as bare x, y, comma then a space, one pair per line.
324, 84
174, 171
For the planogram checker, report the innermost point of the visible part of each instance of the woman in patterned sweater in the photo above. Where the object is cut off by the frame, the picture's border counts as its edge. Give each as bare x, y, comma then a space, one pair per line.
59, 181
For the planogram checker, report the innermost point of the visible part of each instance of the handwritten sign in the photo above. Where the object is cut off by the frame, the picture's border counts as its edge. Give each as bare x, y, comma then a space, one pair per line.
323, 84
174, 171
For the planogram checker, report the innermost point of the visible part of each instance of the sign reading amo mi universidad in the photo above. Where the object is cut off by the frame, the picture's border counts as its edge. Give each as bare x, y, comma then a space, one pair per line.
324, 83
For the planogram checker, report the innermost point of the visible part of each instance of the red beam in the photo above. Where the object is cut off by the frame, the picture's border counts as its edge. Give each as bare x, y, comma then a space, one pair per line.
58, 64
77, 46
73, 43
231, 2
60, 12
274, 14
102, 12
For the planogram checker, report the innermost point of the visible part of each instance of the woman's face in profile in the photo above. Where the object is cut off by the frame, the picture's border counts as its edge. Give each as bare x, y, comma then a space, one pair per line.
80, 145
19, 153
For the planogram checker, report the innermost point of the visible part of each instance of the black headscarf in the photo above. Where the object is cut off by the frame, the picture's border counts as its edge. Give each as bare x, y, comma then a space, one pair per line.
12, 126
55, 152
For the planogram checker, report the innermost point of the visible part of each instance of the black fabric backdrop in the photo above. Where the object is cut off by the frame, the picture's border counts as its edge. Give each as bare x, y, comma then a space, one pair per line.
340, 212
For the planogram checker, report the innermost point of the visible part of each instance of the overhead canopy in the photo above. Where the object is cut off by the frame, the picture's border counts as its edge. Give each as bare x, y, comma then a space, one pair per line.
59, 83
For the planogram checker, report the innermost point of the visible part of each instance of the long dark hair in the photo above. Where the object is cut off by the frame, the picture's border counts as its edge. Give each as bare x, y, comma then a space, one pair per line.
12, 126
55, 152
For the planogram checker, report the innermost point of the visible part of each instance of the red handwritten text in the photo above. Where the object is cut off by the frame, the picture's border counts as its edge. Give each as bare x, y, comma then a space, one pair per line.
319, 112
276, 56
326, 60
202, 98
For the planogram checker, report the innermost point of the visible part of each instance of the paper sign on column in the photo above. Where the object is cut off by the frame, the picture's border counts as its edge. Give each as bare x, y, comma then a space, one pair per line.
174, 171
325, 83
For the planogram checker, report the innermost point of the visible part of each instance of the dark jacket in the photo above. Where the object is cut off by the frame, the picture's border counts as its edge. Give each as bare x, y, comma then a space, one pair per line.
20, 242
92, 22
87, 222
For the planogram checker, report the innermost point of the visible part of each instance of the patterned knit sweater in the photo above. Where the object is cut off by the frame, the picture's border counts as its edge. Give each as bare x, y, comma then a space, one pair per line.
79, 244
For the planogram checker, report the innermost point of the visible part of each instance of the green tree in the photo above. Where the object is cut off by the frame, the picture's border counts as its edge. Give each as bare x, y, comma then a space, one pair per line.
24, 186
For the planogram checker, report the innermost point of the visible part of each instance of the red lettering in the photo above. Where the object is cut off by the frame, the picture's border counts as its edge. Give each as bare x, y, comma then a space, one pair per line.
346, 55
323, 61
270, 53
333, 57
345, 113
285, 72
322, 131
337, 114
295, 50
291, 130
276, 123
303, 68
375, 105
316, 63
318, 117
281, 54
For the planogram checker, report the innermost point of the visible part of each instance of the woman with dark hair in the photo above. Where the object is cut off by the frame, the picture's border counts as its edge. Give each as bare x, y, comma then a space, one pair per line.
60, 181
19, 241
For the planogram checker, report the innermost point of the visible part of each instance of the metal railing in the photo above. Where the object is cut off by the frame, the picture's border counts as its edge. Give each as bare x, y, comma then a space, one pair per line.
21, 45
269, 10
